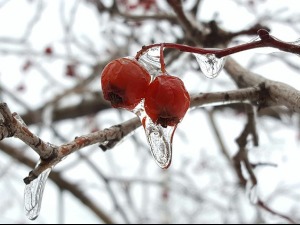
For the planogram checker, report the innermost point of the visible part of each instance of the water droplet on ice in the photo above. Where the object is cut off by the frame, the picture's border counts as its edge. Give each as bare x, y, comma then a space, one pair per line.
33, 195
210, 65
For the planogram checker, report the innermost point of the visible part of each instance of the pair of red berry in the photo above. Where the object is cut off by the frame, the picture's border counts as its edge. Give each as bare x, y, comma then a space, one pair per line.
125, 83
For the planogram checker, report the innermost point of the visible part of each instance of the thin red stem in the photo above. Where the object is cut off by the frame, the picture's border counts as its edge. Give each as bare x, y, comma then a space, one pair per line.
266, 40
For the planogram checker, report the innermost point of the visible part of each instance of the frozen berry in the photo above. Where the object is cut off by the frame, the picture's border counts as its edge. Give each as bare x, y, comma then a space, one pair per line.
48, 50
124, 83
166, 100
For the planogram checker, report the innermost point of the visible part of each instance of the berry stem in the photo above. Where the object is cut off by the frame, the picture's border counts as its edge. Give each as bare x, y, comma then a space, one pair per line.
162, 59
266, 40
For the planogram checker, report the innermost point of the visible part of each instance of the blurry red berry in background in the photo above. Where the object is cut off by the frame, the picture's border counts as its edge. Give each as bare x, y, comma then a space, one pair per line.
26, 65
124, 83
48, 50
167, 100
145, 4
70, 70
21, 88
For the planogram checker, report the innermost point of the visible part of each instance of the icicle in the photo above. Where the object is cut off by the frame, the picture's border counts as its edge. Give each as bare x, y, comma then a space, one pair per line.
33, 195
159, 138
210, 65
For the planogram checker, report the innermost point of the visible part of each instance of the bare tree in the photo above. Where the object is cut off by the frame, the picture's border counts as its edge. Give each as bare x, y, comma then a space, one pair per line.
234, 153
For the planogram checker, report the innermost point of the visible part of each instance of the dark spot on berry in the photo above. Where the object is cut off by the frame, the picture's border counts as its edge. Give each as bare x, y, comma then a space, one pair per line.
167, 121
114, 98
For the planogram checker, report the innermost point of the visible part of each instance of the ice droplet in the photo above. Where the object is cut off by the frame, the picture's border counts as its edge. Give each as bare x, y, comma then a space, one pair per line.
209, 64
33, 195
151, 61
159, 138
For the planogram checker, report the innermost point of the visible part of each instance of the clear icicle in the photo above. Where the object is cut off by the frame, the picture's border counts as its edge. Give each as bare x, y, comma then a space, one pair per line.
151, 61
209, 64
158, 137
33, 195
160, 141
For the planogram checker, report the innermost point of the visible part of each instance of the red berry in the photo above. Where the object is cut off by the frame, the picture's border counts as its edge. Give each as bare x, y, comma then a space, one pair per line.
21, 87
166, 100
48, 50
27, 65
70, 70
124, 83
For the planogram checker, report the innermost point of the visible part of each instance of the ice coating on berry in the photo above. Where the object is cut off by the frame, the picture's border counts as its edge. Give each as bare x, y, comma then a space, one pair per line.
166, 100
124, 83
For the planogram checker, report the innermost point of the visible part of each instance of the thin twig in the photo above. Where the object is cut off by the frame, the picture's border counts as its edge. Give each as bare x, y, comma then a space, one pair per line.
107, 185
262, 205
266, 41
218, 135
242, 155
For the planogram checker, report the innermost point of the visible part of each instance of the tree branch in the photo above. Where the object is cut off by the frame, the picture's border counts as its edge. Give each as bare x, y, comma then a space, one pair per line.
262, 205
190, 29
242, 154
114, 133
86, 107
17, 128
51, 154
276, 93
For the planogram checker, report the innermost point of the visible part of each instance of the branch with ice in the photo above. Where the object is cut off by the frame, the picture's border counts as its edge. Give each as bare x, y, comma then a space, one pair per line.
51, 154
212, 60
11, 125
